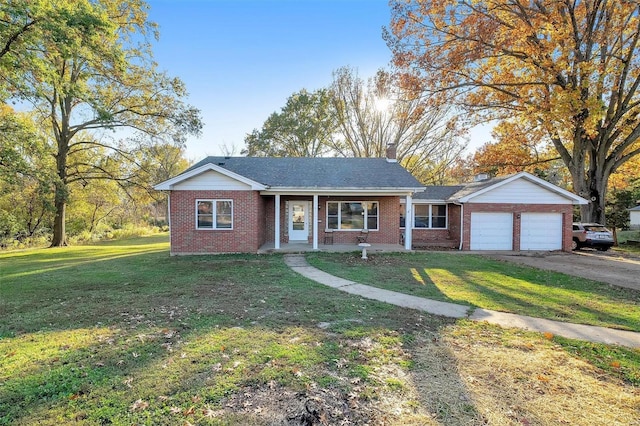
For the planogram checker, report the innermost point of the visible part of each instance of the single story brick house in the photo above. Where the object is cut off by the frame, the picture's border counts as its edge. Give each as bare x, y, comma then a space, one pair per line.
240, 204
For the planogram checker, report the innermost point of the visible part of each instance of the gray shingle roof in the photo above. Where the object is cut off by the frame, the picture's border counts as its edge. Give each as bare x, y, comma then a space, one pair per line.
635, 209
297, 172
438, 192
472, 187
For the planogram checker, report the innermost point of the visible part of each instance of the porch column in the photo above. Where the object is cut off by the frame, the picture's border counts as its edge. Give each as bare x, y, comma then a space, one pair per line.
277, 224
315, 222
408, 223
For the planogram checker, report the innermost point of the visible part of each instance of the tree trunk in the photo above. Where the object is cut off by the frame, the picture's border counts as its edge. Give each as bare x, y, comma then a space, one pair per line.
591, 186
62, 192
59, 231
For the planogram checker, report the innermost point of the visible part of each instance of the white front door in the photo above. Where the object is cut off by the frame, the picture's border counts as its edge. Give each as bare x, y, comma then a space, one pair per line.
298, 220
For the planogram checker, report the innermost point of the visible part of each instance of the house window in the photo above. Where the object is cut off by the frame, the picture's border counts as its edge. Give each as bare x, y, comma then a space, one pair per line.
352, 215
214, 214
432, 216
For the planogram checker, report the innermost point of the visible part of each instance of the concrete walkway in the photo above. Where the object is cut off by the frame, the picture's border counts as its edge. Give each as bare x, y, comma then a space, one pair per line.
298, 263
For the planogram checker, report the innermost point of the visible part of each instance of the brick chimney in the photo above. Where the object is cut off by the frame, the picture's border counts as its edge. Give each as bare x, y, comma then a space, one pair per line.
391, 153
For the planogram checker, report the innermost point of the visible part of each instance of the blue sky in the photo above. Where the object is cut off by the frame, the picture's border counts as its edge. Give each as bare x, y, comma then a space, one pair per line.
241, 59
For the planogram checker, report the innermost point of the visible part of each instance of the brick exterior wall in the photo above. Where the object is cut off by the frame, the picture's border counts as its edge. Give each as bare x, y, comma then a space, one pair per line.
449, 236
253, 222
388, 221
517, 210
246, 236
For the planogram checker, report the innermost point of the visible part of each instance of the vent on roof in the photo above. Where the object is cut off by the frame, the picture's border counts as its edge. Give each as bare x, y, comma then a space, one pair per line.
481, 177
220, 164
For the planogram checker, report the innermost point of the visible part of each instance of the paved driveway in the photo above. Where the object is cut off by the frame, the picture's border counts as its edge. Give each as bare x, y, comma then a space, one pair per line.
608, 267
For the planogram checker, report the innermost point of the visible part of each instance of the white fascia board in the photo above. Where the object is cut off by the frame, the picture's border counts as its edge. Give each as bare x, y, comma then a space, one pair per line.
531, 178
425, 201
167, 185
340, 191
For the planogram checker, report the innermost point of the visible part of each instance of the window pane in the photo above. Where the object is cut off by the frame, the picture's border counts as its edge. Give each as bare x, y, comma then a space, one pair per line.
439, 216
352, 216
439, 210
297, 217
224, 214
332, 222
332, 215
421, 212
223, 207
205, 214
372, 215
439, 222
223, 221
205, 207
402, 217
205, 221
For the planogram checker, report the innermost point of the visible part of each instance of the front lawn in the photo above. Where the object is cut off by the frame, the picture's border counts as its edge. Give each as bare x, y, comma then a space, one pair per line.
120, 333
490, 284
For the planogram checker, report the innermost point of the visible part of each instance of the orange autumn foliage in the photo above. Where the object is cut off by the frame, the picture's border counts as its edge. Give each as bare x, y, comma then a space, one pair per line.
566, 72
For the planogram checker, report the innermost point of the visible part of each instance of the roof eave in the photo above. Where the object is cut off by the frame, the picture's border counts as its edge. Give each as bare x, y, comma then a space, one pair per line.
169, 184
576, 200
341, 191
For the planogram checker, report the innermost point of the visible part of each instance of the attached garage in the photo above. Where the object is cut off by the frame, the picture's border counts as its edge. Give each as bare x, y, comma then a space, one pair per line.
517, 212
491, 231
541, 231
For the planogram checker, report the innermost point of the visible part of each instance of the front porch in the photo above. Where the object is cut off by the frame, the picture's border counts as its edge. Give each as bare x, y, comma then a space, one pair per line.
330, 248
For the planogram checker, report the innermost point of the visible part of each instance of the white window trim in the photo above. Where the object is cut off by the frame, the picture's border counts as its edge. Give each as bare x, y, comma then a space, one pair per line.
214, 202
365, 219
413, 216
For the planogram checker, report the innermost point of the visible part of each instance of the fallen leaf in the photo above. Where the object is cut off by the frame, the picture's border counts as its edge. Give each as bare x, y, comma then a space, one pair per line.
139, 405
209, 413
175, 410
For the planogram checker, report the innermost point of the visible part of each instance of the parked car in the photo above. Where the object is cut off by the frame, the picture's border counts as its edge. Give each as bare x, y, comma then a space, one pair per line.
591, 235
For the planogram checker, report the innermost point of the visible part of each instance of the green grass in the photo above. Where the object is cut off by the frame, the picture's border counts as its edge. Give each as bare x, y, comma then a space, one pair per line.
121, 333
623, 247
481, 282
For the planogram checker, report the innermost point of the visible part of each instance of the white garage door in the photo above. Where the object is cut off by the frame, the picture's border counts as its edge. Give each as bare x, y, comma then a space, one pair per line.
541, 231
491, 231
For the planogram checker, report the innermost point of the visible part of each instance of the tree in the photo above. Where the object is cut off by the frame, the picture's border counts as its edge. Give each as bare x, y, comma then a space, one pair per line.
375, 113
26, 24
568, 69
98, 75
303, 128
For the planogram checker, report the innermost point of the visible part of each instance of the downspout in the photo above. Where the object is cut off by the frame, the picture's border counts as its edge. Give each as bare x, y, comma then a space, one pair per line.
461, 224
169, 222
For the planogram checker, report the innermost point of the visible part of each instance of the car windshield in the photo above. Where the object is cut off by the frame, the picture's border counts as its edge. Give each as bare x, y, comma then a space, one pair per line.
597, 228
